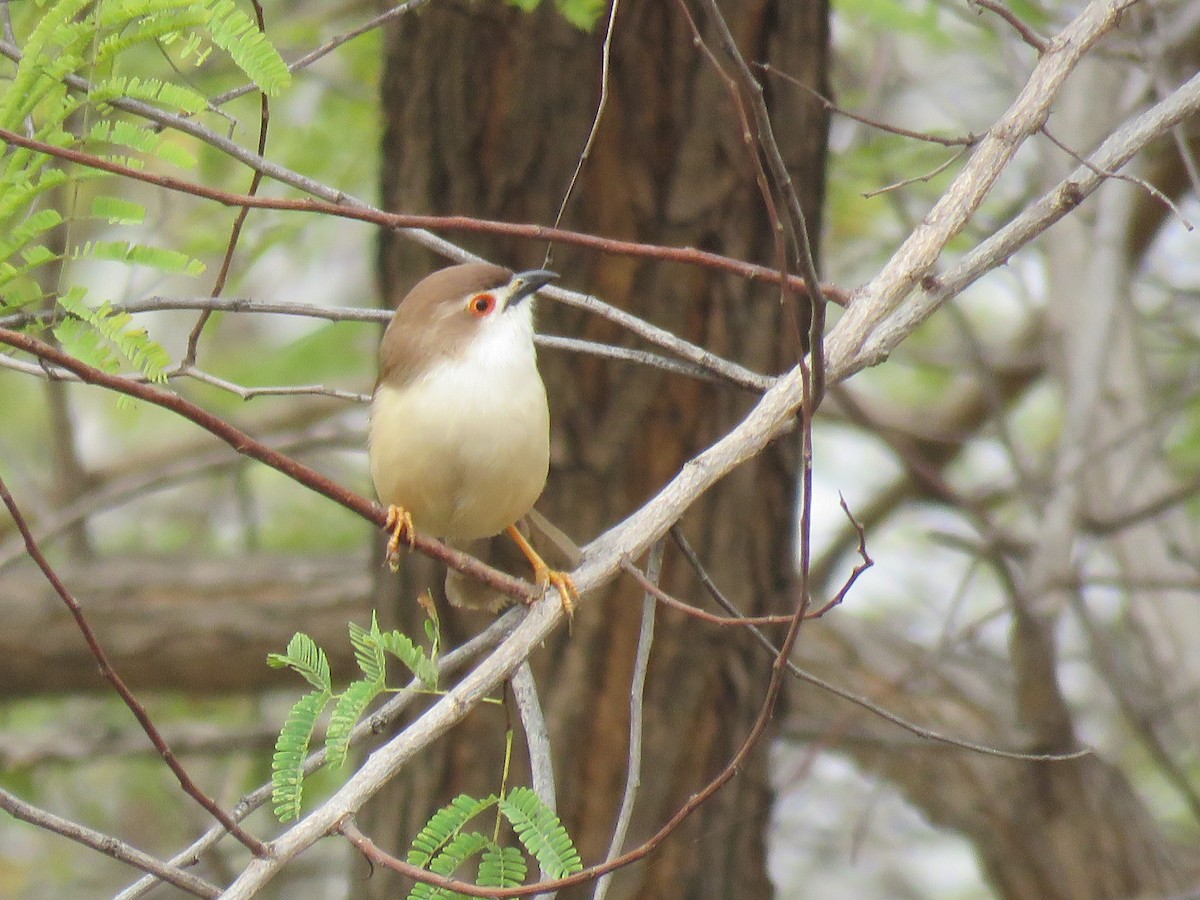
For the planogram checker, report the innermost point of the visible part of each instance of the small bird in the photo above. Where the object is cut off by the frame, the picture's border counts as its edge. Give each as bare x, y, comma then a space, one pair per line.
459, 439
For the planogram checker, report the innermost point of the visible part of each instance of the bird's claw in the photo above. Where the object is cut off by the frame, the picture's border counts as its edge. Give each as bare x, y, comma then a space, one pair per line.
400, 524
564, 584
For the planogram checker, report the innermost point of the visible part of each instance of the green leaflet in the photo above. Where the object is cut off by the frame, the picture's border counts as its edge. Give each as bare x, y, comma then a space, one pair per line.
291, 749
541, 832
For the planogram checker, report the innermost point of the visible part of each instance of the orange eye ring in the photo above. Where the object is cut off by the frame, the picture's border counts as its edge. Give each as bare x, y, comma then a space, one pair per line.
481, 305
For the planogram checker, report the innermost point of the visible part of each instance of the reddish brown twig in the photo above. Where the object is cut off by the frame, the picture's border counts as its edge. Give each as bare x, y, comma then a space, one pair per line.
695, 612
1028, 35
248, 446
686, 255
864, 556
110, 675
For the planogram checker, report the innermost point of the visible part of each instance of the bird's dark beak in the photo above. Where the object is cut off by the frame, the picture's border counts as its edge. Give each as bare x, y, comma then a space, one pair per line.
528, 283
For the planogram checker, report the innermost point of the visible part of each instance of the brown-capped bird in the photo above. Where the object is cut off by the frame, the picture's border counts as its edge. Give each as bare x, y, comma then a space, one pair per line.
460, 429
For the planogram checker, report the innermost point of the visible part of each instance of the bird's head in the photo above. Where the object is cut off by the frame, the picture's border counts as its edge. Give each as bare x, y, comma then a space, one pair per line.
475, 308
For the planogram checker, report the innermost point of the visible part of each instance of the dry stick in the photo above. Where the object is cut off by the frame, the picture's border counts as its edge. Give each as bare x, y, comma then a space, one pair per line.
106, 844
1121, 176
193, 344
925, 178
637, 690
783, 183
537, 738
372, 725
969, 141
857, 699
110, 675
865, 563
248, 446
779, 235
585, 154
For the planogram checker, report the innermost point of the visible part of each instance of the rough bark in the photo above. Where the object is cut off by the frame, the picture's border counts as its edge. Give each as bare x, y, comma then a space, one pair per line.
487, 112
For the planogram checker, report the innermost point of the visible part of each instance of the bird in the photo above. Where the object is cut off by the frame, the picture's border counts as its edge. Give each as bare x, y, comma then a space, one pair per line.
459, 436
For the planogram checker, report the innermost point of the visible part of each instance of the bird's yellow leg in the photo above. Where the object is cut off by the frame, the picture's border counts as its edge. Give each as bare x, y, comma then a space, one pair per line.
544, 575
400, 524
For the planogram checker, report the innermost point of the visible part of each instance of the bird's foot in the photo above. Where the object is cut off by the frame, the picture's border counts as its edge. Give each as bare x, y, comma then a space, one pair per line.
544, 576
563, 583
400, 524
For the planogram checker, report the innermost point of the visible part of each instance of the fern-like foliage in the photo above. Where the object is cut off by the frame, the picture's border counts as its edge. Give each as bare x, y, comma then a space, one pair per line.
349, 709
291, 749
444, 825
502, 867
74, 72
372, 647
541, 832
444, 846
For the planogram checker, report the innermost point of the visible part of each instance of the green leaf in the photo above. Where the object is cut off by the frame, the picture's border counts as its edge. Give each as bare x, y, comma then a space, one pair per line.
304, 656
131, 342
367, 650
238, 35
541, 832
118, 211
348, 710
401, 646
170, 261
444, 825
291, 749
501, 867
457, 851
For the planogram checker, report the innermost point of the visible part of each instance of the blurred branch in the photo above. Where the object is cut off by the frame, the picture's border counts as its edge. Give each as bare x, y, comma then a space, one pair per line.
106, 844
110, 675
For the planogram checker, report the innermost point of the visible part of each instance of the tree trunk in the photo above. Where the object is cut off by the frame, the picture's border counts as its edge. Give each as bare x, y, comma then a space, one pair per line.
487, 112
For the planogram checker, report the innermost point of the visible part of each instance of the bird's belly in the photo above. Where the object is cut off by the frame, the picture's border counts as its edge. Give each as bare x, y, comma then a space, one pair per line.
465, 460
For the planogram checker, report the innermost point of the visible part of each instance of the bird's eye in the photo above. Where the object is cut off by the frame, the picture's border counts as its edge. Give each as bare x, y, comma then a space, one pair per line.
481, 305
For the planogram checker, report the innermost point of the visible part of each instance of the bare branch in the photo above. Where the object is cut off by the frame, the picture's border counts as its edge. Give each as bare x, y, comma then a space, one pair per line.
106, 844
185, 781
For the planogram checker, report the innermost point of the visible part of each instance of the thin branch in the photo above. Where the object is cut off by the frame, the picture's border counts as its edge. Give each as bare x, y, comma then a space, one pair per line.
857, 699
264, 119
653, 590
336, 203
637, 690
1121, 176
107, 845
865, 563
922, 179
1028, 35
969, 141
110, 675
585, 154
